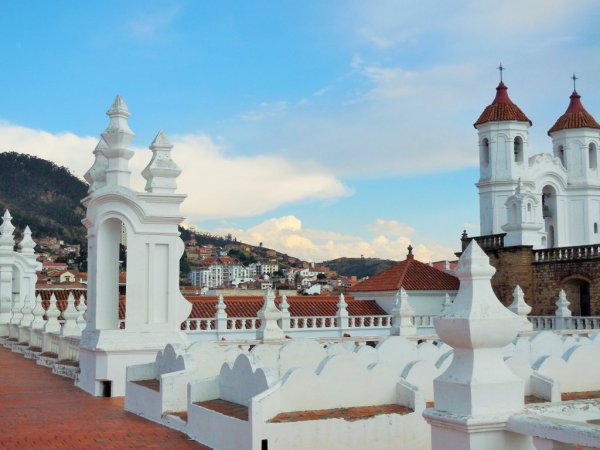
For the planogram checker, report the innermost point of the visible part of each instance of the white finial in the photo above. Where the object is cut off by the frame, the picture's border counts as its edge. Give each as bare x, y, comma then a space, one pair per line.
269, 315
284, 305
81, 309
27, 244
342, 302
221, 307
562, 305
402, 316
477, 320
96, 175
70, 314
118, 136
7, 229
161, 171
446, 305
52, 325
520, 308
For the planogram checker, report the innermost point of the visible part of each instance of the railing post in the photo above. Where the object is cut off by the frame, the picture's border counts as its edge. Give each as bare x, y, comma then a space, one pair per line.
70, 314
37, 323
342, 314
7, 243
402, 316
15, 317
221, 316
284, 306
563, 313
520, 308
25, 325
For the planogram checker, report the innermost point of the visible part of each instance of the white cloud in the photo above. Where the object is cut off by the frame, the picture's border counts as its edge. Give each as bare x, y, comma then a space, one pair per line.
265, 110
286, 234
218, 185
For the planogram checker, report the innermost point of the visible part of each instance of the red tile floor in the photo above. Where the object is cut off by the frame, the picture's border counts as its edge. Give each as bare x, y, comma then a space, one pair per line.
39, 410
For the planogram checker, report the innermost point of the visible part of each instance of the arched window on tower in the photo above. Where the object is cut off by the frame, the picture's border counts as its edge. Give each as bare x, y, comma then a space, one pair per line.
595, 227
518, 149
560, 153
593, 156
485, 152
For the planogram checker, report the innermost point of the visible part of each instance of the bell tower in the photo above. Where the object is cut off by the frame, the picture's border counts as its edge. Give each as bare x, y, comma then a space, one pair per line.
503, 157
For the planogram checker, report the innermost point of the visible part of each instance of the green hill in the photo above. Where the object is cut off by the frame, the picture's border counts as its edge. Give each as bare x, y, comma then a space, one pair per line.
361, 267
42, 195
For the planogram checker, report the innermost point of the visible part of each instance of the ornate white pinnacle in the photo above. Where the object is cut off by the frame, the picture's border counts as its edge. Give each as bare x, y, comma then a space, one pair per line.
284, 305
446, 305
221, 307
6, 230
342, 302
118, 136
562, 305
476, 379
27, 244
81, 309
520, 308
269, 315
96, 175
161, 171
402, 316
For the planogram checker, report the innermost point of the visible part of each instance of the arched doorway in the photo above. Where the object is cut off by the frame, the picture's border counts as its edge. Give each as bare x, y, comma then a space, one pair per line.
578, 293
549, 214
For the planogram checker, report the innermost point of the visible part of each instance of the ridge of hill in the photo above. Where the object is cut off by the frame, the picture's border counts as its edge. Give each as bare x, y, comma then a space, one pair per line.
360, 267
43, 195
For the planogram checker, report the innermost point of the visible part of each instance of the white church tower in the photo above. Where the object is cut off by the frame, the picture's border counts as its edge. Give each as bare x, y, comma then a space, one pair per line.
545, 200
503, 157
153, 305
575, 141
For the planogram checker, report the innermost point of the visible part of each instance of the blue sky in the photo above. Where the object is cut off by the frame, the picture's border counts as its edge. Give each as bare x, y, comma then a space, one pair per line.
320, 128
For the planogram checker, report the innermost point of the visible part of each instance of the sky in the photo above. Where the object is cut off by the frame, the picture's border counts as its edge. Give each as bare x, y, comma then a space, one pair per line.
319, 128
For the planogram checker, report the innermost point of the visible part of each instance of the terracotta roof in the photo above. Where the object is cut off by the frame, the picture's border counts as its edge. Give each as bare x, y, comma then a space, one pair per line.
411, 275
501, 109
246, 306
574, 117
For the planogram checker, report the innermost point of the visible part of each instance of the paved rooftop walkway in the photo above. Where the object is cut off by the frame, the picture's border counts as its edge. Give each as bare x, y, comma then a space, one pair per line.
39, 410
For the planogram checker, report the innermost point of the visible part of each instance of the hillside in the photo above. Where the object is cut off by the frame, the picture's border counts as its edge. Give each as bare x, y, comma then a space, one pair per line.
361, 267
42, 195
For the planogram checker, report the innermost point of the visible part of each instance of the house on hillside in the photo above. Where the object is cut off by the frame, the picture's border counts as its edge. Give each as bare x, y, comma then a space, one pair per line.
426, 286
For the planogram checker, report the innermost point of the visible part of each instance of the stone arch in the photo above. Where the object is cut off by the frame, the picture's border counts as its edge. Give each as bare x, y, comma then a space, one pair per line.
577, 288
518, 149
592, 156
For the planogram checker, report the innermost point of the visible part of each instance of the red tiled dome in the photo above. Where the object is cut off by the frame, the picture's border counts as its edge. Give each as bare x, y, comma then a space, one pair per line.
574, 117
411, 275
501, 109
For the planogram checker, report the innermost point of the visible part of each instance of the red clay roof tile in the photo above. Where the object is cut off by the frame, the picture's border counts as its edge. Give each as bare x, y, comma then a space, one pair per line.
501, 109
411, 275
574, 117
